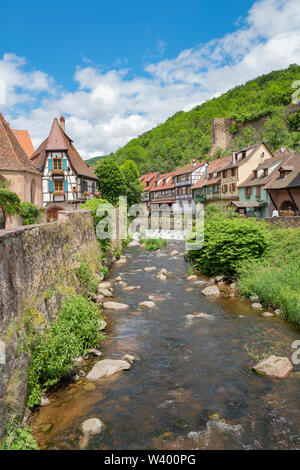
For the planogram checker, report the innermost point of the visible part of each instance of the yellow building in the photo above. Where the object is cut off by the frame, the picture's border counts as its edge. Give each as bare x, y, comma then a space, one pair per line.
242, 164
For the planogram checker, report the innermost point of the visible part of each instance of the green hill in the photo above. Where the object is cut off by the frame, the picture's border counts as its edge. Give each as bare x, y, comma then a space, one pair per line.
187, 135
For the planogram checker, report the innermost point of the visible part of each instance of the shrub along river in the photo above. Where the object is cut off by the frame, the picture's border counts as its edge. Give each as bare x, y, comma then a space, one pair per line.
191, 385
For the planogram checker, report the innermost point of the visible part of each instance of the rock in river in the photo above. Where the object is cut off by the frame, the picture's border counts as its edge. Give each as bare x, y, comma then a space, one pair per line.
131, 288
150, 268
256, 306
193, 277
211, 290
115, 306
147, 304
102, 325
274, 366
107, 368
105, 292
92, 426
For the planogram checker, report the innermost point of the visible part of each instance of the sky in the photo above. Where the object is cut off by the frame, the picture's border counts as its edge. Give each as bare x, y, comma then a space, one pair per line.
117, 69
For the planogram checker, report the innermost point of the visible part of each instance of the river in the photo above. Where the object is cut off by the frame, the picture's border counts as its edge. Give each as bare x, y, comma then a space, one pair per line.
191, 386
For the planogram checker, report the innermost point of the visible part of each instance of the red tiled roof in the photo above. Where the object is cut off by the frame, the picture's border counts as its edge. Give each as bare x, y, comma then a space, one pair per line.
262, 180
12, 155
168, 178
213, 166
276, 183
150, 179
25, 141
58, 140
188, 169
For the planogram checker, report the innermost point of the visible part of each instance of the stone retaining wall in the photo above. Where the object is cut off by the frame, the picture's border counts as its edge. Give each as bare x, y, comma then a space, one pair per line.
37, 269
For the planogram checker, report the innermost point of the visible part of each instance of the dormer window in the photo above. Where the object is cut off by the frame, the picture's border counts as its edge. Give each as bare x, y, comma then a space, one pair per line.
265, 172
243, 155
282, 174
255, 174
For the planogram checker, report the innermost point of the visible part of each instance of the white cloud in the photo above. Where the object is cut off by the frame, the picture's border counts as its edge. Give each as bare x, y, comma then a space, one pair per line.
110, 108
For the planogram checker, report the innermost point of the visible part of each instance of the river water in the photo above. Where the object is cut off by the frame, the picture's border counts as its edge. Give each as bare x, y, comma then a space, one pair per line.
191, 386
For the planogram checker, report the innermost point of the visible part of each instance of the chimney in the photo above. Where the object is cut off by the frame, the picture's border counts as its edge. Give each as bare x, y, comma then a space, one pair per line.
194, 162
62, 122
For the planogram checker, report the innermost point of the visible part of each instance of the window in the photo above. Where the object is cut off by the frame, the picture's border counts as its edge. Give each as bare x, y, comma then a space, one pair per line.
233, 172
258, 192
233, 187
58, 185
265, 172
225, 174
225, 188
248, 192
57, 163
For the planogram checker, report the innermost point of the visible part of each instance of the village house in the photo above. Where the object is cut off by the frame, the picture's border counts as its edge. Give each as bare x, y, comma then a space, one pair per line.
208, 188
241, 166
254, 200
183, 180
17, 172
147, 181
162, 192
284, 186
67, 179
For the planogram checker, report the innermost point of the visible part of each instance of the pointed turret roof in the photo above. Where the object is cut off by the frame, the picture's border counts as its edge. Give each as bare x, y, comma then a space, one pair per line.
12, 155
58, 140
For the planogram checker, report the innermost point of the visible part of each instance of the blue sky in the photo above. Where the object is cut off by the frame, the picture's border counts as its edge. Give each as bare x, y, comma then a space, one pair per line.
117, 69
58, 36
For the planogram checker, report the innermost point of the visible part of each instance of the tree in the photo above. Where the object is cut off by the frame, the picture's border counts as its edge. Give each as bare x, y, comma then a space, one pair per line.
10, 202
134, 188
111, 182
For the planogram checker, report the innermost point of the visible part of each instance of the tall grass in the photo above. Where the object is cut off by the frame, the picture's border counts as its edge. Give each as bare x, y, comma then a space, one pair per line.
275, 278
153, 244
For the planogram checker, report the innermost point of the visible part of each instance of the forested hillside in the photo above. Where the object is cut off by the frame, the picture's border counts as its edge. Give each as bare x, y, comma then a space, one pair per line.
187, 135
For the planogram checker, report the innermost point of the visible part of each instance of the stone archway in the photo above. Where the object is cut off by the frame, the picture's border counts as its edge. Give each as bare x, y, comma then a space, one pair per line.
288, 206
52, 213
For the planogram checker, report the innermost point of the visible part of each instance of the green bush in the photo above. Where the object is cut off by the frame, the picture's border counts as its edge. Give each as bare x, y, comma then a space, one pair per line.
19, 437
227, 243
75, 330
153, 244
86, 278
29, 213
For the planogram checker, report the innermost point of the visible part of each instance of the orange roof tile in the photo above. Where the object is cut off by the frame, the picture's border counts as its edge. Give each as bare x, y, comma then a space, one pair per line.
25, 141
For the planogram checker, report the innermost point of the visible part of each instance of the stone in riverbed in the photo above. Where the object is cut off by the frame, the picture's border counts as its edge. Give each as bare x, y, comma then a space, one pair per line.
174, 253
277, 312
92, 426
192, 278
102, 325
211, 291
105, 292
105, 285
118, 279
267, 314
44, 401
150, 268
115, 306
107, 368
189, 289
274, 366
47, 427
156, 298
147, 304
131, 288
89, 387
257, 306
95, 352
129, 358
254, 298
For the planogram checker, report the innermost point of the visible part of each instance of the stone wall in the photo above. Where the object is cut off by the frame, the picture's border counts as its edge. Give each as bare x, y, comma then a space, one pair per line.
283, 221
221, 137
37, 269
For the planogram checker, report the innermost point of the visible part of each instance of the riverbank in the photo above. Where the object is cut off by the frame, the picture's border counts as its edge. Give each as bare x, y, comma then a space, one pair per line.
238, 248
190, 385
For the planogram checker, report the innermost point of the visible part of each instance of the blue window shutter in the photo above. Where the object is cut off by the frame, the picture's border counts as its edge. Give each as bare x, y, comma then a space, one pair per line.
51, 186
50, 164
81, 184
66, 186
65, 164
93, 188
